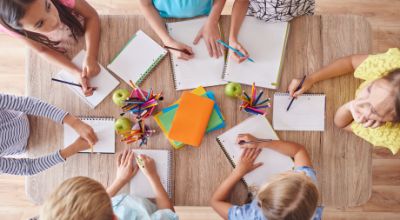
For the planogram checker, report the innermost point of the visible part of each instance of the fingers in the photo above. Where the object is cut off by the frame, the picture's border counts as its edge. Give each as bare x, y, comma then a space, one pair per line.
221, 49
209, 48
130, 157
124, 156
214, 48
368, 123
119, 159
257, 165
198, 37
376, 124
292, 87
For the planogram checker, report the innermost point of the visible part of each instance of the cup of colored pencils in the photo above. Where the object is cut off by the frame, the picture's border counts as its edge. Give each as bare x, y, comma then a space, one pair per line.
141, 103
253, 103
140, 132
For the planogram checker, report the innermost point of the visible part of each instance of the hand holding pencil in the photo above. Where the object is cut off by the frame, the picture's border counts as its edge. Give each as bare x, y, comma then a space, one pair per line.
180, 50
295, 83
239, 47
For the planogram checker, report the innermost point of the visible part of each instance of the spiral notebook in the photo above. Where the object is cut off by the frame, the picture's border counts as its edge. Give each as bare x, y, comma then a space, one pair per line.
274, 162
104, 129
202, 70
104, 81
266, 43
307, 112
140, 185
137, 59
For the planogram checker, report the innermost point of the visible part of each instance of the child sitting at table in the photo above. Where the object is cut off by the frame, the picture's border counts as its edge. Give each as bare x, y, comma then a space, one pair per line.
51, 28
81, 198
14, 134
265, 10
155, 10
374, 113
289, 195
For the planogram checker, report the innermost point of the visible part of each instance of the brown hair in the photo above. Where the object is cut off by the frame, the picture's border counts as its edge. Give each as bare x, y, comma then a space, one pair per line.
78, 198
394, 79
288, 196
11, 11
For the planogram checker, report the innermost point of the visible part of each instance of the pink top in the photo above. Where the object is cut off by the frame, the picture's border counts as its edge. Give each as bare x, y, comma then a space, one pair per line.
62, 33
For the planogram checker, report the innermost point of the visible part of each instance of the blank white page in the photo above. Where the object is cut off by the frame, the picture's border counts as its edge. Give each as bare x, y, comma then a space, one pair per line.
265, 43
139, 56
202, 70
104, 129
274, 162
140, 185
307, 112
104, 81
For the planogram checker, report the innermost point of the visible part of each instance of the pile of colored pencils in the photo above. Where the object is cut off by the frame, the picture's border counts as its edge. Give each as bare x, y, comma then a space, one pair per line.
140, 132
253, 103
141, 103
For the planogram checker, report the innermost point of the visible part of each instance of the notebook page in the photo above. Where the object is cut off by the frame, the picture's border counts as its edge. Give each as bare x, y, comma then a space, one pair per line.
202, 70
104, 129
265, 43
137, 58
140, 185
104, 81
307, 112
274, 162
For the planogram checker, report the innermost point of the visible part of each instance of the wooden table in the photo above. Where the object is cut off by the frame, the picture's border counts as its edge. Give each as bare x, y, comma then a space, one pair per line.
342, 161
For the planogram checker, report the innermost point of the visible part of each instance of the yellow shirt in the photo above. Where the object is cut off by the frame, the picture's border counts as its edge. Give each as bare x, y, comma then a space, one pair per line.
375, 67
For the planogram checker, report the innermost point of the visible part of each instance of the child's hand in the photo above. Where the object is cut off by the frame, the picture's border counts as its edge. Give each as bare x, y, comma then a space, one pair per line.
126, 168
242, 138
210, 34
239, 47
246, 163
180, 55
304, 88
86, 89
147, 166
80, 144
90, 68
83, 129
356, 109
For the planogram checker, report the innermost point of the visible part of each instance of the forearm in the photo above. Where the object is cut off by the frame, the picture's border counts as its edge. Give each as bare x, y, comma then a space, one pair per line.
223, 191
92, 36
59, 59
155, 21
28, 166
343, 116
115, 187
291, 149
216, 11
239, 11
162, 199
341, 66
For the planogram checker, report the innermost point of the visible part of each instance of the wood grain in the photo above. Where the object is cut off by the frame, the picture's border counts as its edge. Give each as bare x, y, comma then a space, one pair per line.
200, 170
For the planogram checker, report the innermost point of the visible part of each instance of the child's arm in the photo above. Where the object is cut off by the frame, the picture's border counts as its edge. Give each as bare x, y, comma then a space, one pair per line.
341, 66
126, 170
239, 11
90, 66
210, 31
62, 61
245, 165
157, 24
291, 149
148, 167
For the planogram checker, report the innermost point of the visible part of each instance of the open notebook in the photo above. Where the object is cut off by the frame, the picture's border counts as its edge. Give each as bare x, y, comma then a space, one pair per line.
266, 43
104, 129
274, 162
140, 185
307, 112
104, 81
139, 56
202, 70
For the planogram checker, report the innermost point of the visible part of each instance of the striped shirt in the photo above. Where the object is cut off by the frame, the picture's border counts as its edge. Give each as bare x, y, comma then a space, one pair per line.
14, 134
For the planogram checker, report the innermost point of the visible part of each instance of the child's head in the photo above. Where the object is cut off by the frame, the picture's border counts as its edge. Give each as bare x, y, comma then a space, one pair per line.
35, 18
78, 198
288, 195
380, 100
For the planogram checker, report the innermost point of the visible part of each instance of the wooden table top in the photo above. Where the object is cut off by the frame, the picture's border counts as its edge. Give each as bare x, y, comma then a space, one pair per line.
342, 161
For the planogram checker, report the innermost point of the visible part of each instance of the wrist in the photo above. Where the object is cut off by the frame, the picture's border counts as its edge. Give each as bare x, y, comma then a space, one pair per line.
119, 182
71, 120
167, 40
312, 79
236, 174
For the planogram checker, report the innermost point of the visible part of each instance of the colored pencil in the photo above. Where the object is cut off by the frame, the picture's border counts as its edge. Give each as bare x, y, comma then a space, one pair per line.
234, 50
297, 89
180, 50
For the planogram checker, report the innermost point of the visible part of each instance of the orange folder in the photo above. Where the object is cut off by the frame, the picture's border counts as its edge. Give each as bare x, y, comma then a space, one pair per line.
191, 119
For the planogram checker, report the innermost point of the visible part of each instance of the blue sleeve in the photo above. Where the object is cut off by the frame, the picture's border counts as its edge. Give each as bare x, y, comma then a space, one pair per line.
164, 214
310, 172
247, 211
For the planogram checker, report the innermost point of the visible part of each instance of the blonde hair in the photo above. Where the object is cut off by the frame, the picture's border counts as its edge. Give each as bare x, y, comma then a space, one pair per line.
78, 198
289, 196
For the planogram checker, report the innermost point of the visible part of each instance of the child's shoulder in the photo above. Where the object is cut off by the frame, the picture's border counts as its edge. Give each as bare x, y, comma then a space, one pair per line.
378, 65
246, 211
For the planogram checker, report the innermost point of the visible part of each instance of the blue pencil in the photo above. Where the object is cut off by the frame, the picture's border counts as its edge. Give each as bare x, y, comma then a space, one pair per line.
234, 50
258, 98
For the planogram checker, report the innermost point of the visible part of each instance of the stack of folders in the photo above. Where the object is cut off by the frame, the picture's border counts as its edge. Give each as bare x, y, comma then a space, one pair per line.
188, 119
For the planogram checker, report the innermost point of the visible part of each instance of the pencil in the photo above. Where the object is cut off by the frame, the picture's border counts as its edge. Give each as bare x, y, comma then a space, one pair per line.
297, 89
234, 50
66, 82
180, 50
256, 141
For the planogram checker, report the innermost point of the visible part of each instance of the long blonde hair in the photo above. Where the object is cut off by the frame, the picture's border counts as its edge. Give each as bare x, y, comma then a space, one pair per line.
78, 198
288, 196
